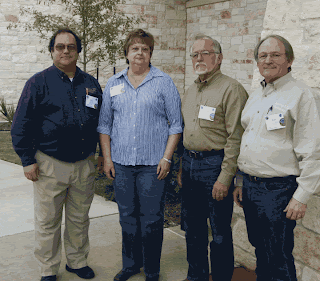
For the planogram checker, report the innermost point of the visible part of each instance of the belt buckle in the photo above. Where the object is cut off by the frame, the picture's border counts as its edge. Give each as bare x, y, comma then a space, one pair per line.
253, 178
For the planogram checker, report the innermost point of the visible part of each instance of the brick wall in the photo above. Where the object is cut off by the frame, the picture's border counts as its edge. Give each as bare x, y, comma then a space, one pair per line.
20, 55
237, 25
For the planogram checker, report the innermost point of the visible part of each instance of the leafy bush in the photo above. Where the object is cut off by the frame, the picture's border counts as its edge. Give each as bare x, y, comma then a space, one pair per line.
7, 111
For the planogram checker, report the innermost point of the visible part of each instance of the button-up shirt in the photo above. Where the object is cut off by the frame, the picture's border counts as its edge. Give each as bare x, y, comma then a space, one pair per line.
52, 117
290, 150
139, 121
228, 97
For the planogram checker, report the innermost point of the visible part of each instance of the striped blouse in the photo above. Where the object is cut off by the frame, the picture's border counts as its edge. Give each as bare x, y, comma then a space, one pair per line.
139, 121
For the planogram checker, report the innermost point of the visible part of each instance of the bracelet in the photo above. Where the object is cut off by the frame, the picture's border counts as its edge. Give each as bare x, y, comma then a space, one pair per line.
169, 161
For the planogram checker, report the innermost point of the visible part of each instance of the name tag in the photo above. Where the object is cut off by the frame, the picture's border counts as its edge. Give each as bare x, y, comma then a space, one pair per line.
207, 112
116, 90
91, 102
275, 122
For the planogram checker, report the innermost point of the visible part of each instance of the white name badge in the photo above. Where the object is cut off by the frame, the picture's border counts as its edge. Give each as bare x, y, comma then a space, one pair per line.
91, 102
207, 112
275, 121
116, 90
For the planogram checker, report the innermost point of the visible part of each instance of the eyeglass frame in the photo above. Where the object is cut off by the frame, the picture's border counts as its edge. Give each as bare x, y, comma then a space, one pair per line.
69, 47
273, 56
206, 53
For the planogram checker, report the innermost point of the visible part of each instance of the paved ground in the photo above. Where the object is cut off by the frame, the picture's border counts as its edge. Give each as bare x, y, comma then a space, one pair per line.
17, 262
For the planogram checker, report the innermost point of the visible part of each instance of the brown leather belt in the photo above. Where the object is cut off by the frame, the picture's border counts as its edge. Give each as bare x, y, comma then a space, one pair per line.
269, 180
203, 154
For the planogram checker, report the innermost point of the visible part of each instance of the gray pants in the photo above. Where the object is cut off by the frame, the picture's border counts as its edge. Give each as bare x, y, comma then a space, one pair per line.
62, 184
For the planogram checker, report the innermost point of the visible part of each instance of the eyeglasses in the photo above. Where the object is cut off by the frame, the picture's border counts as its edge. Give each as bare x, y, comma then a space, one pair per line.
62, 47
273, 56
203, 54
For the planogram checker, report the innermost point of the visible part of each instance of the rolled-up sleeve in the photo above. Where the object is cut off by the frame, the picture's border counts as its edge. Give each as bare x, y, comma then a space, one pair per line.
106, 113
173, 107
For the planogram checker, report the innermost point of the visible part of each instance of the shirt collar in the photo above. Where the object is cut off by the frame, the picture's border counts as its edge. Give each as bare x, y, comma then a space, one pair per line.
154, 72
63, 75
209, 79
277, 84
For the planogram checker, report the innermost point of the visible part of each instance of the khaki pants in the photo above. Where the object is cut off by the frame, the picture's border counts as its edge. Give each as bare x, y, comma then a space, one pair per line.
62, 184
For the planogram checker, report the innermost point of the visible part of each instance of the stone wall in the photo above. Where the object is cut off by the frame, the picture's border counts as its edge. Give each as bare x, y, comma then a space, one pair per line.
20, 55
299, 22
237, 25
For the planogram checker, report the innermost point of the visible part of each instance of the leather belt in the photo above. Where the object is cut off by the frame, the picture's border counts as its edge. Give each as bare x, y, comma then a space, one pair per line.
203, 154
269, 180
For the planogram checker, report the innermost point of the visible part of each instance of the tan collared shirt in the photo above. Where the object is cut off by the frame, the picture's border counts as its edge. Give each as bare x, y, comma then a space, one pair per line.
291, 150
228, 97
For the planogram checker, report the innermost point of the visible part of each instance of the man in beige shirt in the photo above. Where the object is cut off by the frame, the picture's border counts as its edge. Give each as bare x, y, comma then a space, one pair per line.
211, 109
279, 159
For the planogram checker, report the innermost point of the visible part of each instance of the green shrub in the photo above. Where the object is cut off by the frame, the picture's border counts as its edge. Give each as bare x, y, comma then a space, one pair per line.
7, 111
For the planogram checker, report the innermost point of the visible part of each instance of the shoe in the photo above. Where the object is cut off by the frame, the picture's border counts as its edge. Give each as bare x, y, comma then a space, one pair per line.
84, 272
49, 278
155, 278
125, 275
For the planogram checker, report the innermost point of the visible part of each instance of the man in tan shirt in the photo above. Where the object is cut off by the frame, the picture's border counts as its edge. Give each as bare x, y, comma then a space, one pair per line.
279, 159
211, 109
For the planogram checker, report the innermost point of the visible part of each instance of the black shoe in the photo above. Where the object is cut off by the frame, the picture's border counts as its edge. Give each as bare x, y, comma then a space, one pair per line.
84, 272
49, 278
155, 278
125, 275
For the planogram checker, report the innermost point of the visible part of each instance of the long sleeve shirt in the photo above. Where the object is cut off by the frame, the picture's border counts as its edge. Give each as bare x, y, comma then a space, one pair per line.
139, 121
52, 117
293, 149
228, 97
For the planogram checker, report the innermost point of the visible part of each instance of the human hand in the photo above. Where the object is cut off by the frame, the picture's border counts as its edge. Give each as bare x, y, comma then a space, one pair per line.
237, 195
32, 172
219, 191
163, 169
295, 210
100, 164
109, 170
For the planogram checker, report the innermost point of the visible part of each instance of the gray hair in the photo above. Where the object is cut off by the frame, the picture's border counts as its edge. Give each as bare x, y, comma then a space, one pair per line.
287, 46
216, 44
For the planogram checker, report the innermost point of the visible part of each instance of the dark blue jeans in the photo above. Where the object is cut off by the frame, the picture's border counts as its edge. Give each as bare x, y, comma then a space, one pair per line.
269, 231
198, 178
140, 197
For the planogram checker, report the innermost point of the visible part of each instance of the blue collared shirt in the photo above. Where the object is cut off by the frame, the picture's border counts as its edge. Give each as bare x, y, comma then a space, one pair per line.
139, 121
52, 117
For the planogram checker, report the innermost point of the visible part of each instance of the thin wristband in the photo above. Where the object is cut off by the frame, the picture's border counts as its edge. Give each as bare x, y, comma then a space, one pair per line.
169, 161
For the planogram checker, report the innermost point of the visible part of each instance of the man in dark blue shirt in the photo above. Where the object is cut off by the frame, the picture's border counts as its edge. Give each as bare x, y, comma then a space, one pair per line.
54, 134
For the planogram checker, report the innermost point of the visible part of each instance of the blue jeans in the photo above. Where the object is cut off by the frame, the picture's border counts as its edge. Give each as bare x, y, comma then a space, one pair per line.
269, 231
140, 197
198, 178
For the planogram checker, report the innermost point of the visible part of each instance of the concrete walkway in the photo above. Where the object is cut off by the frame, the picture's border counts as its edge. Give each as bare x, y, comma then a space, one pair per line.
17, 262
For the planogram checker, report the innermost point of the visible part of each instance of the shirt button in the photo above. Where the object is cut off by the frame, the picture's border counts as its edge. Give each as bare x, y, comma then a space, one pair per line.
75, 97
79, 109
258, 111
81, 124
82, 152
134, 101
82, 139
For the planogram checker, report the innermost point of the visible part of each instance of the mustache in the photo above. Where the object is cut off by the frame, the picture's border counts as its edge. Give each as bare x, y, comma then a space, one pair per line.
201, 63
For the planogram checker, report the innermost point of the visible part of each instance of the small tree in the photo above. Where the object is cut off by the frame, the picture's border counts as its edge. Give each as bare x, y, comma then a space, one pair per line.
7, 111
99, 23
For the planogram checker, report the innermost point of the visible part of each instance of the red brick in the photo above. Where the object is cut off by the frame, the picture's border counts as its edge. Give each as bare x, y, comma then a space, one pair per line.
11, 18
225, 15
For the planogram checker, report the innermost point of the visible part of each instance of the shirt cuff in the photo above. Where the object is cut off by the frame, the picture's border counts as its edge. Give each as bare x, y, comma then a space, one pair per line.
302, 195
104, 130
175, 130
225, 178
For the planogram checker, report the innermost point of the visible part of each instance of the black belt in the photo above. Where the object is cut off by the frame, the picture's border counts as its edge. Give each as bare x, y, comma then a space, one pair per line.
269, 180
203, 154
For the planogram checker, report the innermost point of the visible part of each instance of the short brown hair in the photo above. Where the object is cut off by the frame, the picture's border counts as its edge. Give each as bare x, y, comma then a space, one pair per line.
142, 36
64, 30
287, 47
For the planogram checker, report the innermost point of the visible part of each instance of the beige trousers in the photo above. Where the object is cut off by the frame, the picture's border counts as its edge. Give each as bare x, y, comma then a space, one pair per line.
62, 184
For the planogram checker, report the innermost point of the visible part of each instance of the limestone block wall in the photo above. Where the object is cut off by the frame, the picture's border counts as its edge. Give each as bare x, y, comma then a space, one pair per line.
20, 56
237, 25
299, 22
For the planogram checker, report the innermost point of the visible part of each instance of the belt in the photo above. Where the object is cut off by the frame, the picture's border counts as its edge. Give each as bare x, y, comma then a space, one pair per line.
269, 180
203, 154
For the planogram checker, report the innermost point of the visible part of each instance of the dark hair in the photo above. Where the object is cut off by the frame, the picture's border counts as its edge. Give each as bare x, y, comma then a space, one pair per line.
64, 30
138, 35
287, 46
